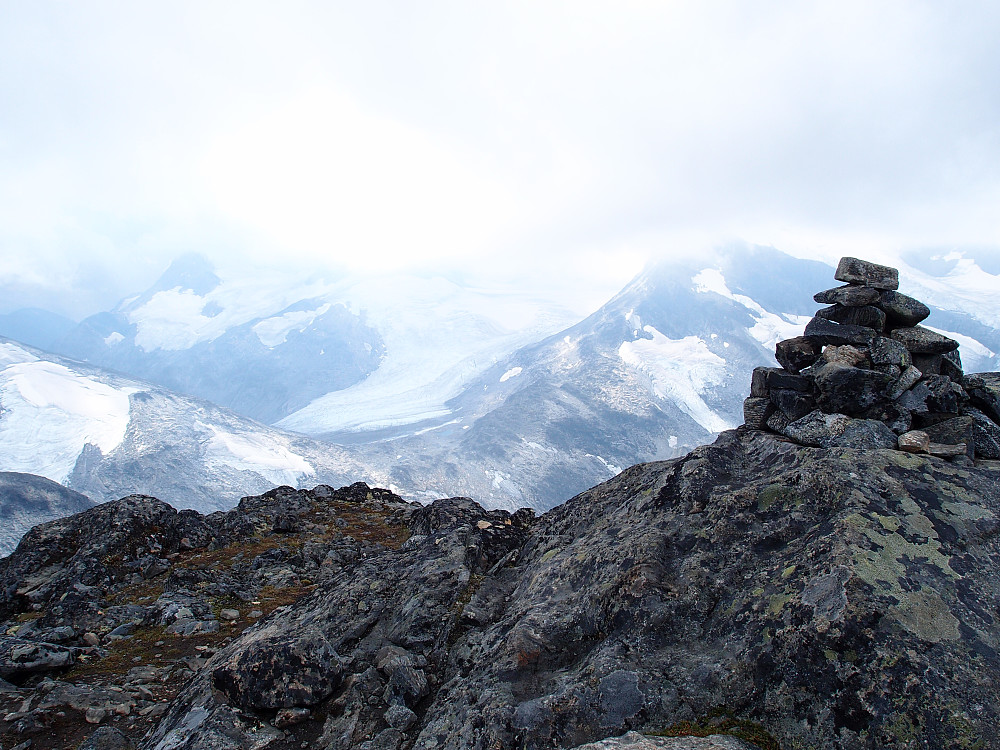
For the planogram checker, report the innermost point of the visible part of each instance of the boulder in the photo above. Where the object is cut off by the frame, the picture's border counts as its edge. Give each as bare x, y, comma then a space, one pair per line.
765, 379
902, 311
951, 366
954, 431
756, 411
866, 273
906, 380
796, 353
887, 351
107, 738
915, 441
849, 390
272, 668
793, 404
822, 331
984, 393
892, 415
865, 315
934, 399
985, 435
19, 657
637, 741
846, 355
920, 340
830, 430
848, 295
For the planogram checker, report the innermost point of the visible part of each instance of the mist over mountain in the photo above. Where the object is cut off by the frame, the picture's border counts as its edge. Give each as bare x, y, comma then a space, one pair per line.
429, 386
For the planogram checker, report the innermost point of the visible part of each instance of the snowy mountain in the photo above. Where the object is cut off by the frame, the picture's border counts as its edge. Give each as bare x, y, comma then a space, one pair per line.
108, 436
495, 395
331, 355
659, 369
27, 500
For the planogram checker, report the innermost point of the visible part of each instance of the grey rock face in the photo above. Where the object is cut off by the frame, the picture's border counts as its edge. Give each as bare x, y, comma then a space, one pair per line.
865, 273
274, 668
920, 340
902, 311
849, 295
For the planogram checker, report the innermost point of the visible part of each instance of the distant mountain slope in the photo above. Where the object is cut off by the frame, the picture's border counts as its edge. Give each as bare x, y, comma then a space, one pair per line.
658, 370
109, 436
27, 500
35, 327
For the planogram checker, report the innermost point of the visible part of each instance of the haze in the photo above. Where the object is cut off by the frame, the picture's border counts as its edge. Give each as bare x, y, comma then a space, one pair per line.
557, 145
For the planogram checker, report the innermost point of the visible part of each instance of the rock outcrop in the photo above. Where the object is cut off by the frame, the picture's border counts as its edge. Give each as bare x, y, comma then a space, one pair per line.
866, 374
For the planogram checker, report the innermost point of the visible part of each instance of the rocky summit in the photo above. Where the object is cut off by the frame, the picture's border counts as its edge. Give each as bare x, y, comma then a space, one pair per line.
866, 374
780, 589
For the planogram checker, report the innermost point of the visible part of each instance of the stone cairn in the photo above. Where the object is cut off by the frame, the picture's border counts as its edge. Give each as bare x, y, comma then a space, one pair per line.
866, 375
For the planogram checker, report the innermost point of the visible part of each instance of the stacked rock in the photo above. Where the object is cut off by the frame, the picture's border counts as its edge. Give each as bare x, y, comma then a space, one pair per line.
865, 374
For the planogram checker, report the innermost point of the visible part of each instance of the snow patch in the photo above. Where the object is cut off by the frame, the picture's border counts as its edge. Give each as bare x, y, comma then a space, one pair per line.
113, 338
511, 373
679, 370
769, 328
50, 414
273, 332
257, 453
672, 441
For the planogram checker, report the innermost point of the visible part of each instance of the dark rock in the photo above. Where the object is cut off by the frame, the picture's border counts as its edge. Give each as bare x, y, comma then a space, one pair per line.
892, 415
19, 657
849, 295
285, 523
906, 380
955, 431
273, 668
866, 315
944, 450
951, 366
406, 684
823, 332
865, 273
887, 351
399, 717
985, 435
920, 340
817, 429
902, 311
849, 390
289, 717
793, 404
766, 379
933, 399
777, 422
637, 741
984, 393
796, 353
107, 738
928, 364
756, 411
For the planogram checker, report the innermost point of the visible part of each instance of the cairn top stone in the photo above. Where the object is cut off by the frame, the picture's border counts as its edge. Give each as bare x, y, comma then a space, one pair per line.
866, 273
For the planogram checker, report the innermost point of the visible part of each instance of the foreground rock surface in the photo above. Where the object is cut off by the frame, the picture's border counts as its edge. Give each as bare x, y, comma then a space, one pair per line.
789, 596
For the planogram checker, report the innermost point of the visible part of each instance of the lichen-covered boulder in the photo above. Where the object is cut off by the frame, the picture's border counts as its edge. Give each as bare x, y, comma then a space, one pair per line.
279, 667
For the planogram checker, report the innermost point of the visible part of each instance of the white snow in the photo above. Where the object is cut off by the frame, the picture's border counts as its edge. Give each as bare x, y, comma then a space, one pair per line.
438, 337
511, 373
113, 338
257, 453
679, 370
50, 413
11, 353
672, 441
274, 331
966, 288
769, 328
975, 356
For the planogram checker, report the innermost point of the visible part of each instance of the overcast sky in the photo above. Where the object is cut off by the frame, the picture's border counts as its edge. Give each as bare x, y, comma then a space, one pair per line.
568, 139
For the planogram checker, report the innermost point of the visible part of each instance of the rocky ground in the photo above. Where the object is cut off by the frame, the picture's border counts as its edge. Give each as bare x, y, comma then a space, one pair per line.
754, 593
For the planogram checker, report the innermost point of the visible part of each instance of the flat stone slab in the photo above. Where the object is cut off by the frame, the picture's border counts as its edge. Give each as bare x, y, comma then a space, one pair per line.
920, 340
797, 353
838, 430
868, 316
866, 273
901, 310
848, 295
825, 332
915, 441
